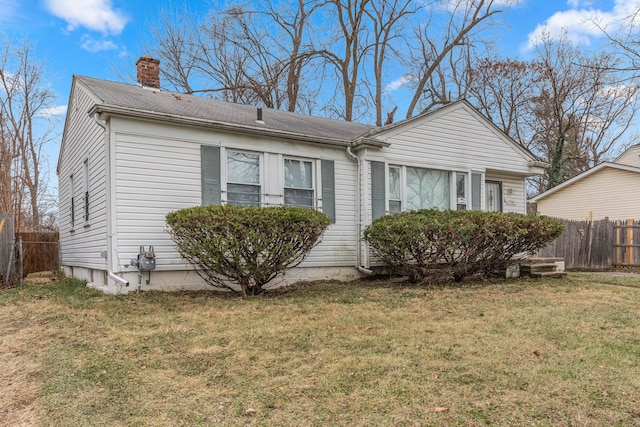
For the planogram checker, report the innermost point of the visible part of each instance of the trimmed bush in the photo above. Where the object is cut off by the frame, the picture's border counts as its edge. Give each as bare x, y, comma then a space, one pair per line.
456, 244
245, 246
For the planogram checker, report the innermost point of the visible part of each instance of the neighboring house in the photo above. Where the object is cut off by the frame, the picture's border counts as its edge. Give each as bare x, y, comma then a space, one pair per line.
604, 191
132, 153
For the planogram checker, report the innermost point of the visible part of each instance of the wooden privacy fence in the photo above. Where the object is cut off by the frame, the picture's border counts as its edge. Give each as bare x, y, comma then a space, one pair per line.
39, 251
596, 245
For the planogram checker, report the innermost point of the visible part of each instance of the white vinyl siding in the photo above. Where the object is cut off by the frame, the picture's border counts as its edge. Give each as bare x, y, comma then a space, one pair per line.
456, 140
159, 170
83, 155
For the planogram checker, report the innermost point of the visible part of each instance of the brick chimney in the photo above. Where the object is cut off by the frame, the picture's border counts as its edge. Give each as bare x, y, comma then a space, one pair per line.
148, 72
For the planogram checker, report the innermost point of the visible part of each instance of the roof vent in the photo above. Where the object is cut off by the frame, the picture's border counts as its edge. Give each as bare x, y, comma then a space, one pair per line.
259, 116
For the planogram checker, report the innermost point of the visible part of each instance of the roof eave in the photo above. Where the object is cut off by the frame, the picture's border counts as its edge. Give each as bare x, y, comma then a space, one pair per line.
364, 142
232, 127
582, 176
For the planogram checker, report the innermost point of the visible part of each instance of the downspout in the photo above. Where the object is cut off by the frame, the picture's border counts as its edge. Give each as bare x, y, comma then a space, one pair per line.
110, 273
359, 267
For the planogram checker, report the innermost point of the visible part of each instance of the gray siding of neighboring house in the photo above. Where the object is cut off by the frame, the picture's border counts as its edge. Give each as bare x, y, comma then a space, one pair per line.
85, 244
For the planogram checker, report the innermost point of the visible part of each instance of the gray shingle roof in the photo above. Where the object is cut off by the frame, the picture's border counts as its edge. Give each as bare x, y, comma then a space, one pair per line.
136, 98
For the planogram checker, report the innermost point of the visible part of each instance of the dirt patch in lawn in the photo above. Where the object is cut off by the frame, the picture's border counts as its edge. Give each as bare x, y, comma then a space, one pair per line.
23, 340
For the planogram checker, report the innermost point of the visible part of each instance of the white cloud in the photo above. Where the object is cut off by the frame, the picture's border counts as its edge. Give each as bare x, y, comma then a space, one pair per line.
96, 15
8, 9
579, 22
48, 112
400, 83
93, 46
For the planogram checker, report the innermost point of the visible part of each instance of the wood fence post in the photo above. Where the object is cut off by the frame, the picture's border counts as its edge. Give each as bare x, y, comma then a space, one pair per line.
618, 251
629, 252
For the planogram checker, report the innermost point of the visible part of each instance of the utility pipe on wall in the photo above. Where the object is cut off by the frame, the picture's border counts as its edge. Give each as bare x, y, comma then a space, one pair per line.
358, 212
110, 273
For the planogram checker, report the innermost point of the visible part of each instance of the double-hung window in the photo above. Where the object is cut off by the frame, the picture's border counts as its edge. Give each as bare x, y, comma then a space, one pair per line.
243, 179
298, 183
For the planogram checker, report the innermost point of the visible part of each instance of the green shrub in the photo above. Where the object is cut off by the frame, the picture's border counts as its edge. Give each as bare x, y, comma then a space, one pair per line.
246, 246
456, 243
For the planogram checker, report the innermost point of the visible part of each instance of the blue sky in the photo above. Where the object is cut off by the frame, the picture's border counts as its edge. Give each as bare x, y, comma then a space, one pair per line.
87, 37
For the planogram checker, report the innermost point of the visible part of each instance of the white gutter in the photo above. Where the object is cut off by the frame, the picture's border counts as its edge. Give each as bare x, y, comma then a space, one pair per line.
234, 127
110, 194
358, 213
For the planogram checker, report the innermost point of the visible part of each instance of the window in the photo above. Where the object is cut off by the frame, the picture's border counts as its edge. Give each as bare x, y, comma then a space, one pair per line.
395, 189
411, 188
85, 179
298, 183
73, 202
493, 196
427, 188
461, 191
243, 179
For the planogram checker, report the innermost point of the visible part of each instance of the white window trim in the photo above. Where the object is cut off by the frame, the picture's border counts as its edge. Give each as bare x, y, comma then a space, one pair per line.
388, 188
453, 199
316, 179
454, 187
224, 177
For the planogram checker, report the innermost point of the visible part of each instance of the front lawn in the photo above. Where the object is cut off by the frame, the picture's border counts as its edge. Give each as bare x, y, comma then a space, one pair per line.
527, 352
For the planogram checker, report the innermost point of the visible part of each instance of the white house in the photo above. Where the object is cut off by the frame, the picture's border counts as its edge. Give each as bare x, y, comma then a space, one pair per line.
132, 153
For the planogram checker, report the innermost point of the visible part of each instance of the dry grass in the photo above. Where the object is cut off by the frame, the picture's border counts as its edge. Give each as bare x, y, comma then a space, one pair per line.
373, 353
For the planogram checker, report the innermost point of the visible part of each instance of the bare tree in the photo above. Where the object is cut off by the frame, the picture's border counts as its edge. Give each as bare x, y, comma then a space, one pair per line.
24, 98
465, 19
290, 55
348, 49
624, 39
255, 55
566, 106
503, 90
386, 17
295, 23
588, 106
